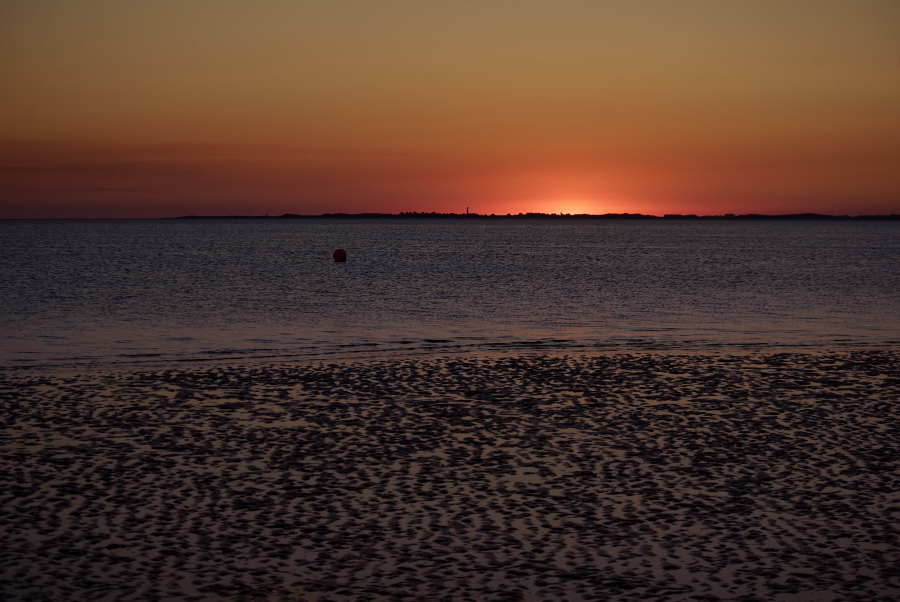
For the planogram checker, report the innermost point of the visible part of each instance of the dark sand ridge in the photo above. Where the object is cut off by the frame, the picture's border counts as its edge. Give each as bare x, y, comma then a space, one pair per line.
618, 477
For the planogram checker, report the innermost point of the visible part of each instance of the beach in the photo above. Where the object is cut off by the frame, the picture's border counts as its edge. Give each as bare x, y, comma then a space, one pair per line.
752, 475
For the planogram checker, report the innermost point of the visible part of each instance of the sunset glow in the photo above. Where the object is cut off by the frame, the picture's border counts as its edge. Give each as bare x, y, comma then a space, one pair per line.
216, 108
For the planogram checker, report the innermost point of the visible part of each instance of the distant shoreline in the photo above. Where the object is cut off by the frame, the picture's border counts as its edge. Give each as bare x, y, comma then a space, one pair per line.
483, 216
668, 216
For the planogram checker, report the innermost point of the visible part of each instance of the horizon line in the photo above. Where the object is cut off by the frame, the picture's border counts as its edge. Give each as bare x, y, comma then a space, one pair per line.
538, 215
529, 215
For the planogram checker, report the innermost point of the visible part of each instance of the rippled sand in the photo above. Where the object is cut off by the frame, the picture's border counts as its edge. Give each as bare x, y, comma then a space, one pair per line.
619, 477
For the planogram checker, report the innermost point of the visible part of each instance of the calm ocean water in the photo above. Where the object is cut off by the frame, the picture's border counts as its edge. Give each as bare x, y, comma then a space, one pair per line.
101, 292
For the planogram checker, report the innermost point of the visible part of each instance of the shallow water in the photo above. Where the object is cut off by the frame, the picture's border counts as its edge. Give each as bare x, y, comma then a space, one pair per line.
111, 291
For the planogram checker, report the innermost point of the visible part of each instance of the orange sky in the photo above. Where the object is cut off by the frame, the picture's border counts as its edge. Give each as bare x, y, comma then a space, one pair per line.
145, 109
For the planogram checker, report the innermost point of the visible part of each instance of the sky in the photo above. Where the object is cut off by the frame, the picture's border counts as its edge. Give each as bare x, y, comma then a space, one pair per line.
217, 107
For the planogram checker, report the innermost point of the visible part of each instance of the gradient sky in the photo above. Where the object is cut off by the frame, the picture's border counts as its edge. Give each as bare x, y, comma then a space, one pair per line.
164, 108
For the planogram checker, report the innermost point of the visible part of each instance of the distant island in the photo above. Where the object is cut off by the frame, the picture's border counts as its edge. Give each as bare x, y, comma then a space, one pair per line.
668, 216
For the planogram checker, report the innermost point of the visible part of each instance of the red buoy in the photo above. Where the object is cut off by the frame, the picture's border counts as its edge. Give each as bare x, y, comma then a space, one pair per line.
340, 255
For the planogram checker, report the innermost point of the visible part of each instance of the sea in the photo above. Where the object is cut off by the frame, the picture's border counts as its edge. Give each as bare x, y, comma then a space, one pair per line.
133, 293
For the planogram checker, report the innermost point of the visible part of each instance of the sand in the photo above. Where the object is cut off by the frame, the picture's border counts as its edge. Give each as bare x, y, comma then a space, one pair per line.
762, 476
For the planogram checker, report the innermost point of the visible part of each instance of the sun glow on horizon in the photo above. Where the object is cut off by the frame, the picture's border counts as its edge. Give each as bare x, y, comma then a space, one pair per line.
574, 206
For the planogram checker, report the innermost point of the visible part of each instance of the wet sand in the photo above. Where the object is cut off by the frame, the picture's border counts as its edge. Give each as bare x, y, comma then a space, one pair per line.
608, 477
